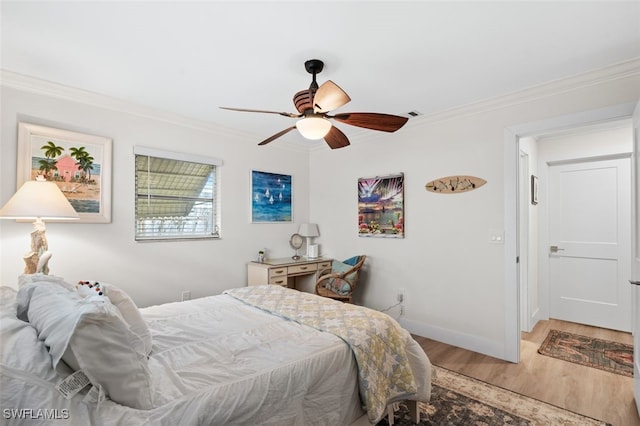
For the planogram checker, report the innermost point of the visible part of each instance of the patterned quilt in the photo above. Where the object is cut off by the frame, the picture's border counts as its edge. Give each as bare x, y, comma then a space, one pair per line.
376, 339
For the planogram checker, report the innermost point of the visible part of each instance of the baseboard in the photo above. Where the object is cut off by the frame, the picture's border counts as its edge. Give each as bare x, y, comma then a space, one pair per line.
455, 338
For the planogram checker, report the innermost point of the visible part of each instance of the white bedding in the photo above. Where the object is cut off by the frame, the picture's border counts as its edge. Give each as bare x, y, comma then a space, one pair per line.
214, 361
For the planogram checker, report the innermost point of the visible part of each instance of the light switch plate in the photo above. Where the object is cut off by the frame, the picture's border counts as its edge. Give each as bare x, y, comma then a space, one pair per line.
496, 236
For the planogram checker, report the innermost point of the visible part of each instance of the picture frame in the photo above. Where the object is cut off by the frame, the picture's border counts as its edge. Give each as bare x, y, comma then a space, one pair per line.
381, 206
271, 197
534, 190
80, 164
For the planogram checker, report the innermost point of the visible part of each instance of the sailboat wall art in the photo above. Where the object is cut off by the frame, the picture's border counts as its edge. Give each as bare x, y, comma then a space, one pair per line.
271, 197
381, 206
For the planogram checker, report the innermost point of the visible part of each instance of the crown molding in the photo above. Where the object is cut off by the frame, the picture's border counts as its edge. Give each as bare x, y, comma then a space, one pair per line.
610, 73
47, 88
617, 71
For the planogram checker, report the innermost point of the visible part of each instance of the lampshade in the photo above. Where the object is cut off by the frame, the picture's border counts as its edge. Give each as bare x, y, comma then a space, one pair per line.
38, 199
331, 96
308, 230
313, 127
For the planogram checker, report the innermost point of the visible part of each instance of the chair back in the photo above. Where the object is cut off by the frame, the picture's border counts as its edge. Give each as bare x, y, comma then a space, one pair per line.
330, 282
352, 275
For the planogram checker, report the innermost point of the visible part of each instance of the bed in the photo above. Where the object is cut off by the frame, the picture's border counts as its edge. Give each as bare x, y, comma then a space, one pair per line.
253, 355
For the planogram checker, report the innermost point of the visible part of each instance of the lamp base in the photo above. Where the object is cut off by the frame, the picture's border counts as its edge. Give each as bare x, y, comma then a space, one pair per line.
312, 251
37, 260
31, 262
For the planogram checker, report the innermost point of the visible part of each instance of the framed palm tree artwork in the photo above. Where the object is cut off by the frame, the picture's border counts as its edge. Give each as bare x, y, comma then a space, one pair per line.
80, 164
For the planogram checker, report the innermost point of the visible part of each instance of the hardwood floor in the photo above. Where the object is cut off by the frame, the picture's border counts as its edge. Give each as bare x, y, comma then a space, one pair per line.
585, 390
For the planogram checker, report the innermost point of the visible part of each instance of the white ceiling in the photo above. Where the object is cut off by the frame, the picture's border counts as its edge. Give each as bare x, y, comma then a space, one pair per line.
189, 58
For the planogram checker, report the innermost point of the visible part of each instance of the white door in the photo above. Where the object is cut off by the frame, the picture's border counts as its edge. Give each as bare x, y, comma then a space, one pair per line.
590, 237
635, 272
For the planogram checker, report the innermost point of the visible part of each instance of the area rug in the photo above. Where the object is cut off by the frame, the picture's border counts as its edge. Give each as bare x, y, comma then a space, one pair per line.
459, 400
597, 353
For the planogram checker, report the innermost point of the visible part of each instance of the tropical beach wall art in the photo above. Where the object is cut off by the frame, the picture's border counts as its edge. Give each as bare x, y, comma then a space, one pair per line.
271, 196
381, 206
79, 164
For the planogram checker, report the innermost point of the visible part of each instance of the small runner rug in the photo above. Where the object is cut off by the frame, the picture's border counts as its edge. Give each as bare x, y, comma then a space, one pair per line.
597, 353
457, 400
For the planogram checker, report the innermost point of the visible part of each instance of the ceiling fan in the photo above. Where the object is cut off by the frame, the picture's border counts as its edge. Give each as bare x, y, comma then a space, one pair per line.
315, 103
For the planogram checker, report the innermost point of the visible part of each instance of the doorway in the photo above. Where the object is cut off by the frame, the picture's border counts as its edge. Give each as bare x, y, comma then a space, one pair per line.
585, 217
512, 136
584, 250
589, 230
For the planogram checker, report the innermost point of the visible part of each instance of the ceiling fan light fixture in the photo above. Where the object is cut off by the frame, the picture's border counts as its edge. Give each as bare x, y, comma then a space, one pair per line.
313, 127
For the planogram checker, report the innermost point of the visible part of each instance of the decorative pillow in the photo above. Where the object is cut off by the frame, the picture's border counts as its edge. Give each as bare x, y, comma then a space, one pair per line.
340, 287
351, 261
89, 334
87, 289
125, 305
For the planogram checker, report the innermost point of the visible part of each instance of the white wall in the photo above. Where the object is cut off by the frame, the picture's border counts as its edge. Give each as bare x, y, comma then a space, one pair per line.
152, 272
454, 279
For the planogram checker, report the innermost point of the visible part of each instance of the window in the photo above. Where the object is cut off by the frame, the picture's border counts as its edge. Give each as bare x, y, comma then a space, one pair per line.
175, 195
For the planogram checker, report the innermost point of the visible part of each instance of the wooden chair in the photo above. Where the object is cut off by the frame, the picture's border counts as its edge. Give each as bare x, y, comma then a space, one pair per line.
331, 279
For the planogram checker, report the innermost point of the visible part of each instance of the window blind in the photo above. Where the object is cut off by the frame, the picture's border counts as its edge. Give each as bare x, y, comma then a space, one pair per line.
176, 195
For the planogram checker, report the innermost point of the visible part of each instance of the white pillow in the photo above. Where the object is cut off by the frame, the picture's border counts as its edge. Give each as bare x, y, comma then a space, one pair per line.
8, 302
89, 334
21, 350
125, 305
35, 278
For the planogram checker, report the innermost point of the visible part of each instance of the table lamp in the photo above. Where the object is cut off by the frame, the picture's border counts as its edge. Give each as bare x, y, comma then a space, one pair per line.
310, 230
38, 200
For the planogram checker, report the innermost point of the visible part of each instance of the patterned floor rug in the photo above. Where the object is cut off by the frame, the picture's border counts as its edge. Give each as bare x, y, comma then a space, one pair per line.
597, 353
459, 400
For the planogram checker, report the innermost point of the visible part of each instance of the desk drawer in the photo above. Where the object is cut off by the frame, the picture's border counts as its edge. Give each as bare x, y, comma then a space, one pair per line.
277, 272
280, 280
302, 269
324, 265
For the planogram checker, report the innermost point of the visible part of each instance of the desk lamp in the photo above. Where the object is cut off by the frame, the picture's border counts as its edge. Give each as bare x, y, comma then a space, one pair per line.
38, 200
310, 230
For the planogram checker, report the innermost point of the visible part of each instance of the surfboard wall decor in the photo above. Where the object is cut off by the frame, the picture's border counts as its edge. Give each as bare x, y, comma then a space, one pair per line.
454, 184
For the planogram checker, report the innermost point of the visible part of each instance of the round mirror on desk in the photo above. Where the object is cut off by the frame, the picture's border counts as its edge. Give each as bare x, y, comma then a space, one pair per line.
296, 242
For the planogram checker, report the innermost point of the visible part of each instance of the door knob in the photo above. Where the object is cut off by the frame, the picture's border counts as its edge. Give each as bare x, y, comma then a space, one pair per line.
555, 249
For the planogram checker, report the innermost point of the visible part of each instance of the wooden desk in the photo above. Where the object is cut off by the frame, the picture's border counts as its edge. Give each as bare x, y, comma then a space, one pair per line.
284, 271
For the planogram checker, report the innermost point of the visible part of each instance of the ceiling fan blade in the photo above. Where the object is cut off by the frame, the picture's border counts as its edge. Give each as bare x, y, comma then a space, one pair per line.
336, 139
286, 114
328, 97
277, 135
372, 120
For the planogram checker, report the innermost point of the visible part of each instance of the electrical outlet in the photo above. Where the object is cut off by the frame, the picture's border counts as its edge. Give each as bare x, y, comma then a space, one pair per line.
186, 295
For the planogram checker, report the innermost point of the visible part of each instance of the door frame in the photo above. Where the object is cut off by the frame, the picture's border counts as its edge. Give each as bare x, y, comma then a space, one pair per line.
523, 238
511, 150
